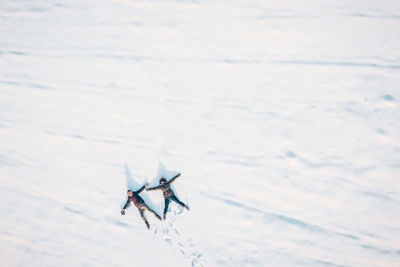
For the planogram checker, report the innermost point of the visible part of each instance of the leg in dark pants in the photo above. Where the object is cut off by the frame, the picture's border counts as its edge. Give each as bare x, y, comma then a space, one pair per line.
174, 198
141, 211
166, 207
145, 207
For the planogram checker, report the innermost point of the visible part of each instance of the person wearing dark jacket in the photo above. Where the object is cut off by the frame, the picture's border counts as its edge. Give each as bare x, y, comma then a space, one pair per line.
133, 196
168, 194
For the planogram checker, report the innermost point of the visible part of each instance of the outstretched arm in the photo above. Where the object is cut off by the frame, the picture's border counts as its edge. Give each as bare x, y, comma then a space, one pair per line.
153, 188
142, 188
126, 206
174, 178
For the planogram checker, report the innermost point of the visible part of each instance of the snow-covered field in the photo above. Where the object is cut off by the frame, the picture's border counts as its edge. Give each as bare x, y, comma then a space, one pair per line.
282, 116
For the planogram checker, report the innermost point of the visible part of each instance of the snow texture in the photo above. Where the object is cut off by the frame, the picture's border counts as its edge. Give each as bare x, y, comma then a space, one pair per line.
283, 118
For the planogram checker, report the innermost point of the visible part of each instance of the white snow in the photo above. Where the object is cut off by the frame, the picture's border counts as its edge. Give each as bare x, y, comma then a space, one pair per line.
282, 116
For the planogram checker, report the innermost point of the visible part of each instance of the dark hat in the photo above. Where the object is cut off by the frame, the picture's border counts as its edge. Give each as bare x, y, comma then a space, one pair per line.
163, 180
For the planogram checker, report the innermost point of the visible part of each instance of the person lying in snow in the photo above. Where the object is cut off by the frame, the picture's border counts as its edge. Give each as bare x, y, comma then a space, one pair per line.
133, 196
168, 193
